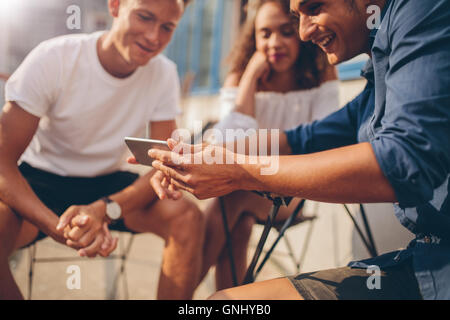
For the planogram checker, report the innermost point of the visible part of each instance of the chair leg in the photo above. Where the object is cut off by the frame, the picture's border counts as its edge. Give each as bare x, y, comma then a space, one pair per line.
228, 242
368, 230
281, 233
124, 259
368, 246
250, 276
291, 254
32, 255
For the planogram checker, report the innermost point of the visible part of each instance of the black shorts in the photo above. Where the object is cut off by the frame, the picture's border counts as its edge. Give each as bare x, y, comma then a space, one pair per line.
58, 193
395, 283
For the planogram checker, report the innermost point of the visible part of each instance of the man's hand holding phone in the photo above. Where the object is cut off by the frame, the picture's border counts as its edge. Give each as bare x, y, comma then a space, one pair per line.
159, 182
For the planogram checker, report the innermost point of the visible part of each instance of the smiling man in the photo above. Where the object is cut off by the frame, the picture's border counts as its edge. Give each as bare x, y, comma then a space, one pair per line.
390, 144
69, 106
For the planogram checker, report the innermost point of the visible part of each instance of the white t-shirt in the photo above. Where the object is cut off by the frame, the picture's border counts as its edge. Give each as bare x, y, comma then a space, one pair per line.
282, 111
85, 112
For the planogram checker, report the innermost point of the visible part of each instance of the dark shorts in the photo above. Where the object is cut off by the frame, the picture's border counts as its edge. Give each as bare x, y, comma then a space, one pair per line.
58, 193
395, 283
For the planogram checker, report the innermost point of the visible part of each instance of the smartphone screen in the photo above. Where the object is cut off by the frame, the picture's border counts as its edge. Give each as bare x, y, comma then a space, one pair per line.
139, 148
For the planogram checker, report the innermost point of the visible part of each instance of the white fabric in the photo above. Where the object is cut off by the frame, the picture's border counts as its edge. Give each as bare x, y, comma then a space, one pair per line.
279, 110
85, 112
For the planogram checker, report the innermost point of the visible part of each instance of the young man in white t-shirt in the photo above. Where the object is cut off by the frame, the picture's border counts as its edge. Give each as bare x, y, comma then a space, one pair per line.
69, 106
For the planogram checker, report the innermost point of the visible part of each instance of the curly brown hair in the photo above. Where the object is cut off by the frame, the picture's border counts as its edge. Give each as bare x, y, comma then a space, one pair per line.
311, 64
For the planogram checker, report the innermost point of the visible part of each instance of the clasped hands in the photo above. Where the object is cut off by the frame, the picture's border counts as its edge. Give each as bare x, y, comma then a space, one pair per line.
86, 229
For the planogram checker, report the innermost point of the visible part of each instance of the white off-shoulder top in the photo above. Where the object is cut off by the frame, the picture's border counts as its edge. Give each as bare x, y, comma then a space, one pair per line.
282, 111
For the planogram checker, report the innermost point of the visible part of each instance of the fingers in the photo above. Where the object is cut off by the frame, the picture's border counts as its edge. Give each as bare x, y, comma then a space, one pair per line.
82, 238
170, 172
168, 157
75, 234
132, 160
109, 243
163, 188
79, 221
65, 219
174, 193
92, 250
113, 245
181, 186
156, 181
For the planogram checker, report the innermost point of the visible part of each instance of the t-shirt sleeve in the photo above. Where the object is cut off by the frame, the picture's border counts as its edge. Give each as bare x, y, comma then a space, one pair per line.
33, 86
168, 105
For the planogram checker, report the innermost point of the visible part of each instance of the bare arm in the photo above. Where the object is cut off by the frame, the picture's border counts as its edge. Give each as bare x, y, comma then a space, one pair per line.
349, 174
17, 128
257, 70
138, 194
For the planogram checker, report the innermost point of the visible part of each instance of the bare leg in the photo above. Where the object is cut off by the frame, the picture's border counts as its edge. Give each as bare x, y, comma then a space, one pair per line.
276, 289
14, 233
240, 238
181, 225
236, 204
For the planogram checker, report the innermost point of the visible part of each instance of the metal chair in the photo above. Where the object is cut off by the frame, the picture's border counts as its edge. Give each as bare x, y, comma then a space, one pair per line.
281, 228
253, 270
122, 256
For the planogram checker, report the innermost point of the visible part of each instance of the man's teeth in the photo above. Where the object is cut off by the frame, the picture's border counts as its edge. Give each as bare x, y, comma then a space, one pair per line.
326, 41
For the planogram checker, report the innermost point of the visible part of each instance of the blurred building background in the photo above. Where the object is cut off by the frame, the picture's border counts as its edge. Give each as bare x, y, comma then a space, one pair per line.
199, 47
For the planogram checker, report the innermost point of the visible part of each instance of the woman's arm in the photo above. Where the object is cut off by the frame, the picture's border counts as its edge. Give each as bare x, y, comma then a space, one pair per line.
257, 68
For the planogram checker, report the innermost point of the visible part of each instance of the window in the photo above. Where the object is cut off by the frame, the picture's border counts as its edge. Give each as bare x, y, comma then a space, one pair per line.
26, 23
202, 41
351, 69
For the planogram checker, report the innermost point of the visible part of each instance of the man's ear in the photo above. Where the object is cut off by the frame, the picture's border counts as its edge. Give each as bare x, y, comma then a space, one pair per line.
113, 6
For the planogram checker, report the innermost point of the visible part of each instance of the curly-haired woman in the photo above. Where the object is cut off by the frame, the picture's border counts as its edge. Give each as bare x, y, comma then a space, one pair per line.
275, 82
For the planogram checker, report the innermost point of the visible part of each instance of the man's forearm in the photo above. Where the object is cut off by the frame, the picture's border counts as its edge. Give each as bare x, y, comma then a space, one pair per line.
135, 196
253, 145
16, 193
345, 175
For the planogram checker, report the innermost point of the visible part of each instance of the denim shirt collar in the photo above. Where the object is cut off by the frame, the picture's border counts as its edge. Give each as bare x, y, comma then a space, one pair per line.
368, 70
373, 32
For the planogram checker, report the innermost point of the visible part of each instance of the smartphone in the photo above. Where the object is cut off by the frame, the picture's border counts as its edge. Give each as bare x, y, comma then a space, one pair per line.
139, 148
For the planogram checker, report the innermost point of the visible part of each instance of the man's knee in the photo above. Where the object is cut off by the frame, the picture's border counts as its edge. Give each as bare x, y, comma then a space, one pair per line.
243, 228
188, 223
219, 295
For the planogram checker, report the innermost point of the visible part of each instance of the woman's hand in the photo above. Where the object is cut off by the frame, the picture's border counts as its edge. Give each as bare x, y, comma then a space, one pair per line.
256, 75
258, 68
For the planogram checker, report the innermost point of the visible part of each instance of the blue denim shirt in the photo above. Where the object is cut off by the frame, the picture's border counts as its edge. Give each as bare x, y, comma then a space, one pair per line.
404, 113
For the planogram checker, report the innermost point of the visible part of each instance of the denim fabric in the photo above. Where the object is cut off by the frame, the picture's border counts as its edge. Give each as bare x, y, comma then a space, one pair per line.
404, 113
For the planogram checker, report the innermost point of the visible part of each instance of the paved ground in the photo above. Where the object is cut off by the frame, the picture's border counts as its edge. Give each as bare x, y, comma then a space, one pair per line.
142, 269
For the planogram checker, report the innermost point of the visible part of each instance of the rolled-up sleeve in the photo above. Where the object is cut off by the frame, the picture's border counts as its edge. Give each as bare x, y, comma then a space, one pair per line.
413, 145
336, 130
